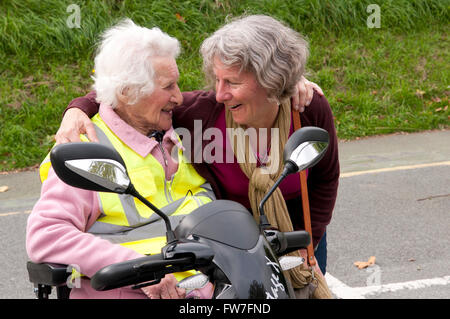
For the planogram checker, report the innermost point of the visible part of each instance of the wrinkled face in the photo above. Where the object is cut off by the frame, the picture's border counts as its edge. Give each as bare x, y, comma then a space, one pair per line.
246, 99
154, 111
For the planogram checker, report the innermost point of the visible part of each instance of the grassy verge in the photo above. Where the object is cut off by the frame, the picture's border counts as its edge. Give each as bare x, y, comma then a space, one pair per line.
378, 80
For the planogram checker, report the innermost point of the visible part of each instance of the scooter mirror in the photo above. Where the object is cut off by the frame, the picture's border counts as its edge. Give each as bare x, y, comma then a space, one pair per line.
90, 166
106, 173
100, 168
305, 148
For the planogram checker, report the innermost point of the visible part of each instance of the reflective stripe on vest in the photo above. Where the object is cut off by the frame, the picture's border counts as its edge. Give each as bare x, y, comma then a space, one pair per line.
122, 213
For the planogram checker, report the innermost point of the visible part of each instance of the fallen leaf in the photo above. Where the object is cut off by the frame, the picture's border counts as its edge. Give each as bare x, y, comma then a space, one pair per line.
3, 189
365, 264
180, 17
436, 99
420, 93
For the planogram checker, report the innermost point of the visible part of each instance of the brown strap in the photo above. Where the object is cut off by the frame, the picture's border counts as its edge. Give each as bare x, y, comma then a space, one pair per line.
305, 198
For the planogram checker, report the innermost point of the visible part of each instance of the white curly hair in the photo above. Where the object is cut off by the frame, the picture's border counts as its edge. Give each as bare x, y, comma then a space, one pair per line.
123, 63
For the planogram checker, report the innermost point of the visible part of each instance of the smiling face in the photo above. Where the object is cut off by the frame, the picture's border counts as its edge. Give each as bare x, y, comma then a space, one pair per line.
154, 111
243, 96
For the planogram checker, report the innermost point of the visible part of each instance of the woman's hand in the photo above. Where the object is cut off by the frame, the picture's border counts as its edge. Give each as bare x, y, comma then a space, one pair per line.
304, 93
304, 254
166, 289
74, 123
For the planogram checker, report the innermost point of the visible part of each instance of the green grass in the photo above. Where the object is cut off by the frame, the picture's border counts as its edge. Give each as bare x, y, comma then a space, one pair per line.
383, 82
395, 78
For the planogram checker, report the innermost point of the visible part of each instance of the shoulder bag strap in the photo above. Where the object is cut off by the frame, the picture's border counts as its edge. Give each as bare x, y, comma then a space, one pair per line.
305, 198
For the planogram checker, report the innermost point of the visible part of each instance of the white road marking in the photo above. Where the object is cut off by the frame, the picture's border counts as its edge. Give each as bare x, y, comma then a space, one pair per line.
15, 213
414, 284
343, 291
392, 169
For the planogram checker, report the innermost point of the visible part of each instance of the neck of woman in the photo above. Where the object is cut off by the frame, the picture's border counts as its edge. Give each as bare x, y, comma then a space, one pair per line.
263, 132
137, 123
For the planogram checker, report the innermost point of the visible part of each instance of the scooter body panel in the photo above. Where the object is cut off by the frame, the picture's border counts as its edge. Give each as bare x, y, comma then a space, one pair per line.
240, 249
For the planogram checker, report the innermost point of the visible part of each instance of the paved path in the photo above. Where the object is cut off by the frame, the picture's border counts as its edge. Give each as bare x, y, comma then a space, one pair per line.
394, 204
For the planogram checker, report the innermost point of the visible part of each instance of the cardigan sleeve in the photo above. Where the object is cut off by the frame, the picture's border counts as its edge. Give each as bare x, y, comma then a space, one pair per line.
323, 178
88, 104
195, 106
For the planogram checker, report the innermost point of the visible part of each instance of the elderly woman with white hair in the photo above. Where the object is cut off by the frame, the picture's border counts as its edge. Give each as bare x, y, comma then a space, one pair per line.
254, 64
136, 83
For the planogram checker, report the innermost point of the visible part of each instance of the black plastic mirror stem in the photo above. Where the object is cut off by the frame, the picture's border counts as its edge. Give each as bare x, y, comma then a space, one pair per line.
170, 235
263, 222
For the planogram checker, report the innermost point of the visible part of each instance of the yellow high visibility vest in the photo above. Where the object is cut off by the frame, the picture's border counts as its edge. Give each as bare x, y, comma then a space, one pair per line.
127, 221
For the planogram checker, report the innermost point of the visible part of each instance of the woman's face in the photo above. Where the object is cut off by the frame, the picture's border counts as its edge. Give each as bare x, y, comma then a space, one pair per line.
246, 99
154, 111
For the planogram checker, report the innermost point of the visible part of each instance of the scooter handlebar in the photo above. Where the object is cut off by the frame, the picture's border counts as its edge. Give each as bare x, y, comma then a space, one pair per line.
296, 240
286, 242
136, 271
174, 257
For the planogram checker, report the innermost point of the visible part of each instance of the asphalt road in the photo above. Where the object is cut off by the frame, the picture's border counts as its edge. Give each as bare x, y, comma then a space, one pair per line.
393, 203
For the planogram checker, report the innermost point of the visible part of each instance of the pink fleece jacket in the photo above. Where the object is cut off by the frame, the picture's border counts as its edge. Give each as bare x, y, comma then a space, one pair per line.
57, 227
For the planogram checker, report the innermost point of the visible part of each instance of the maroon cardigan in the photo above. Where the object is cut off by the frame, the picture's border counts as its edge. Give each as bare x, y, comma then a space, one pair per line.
323, 178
